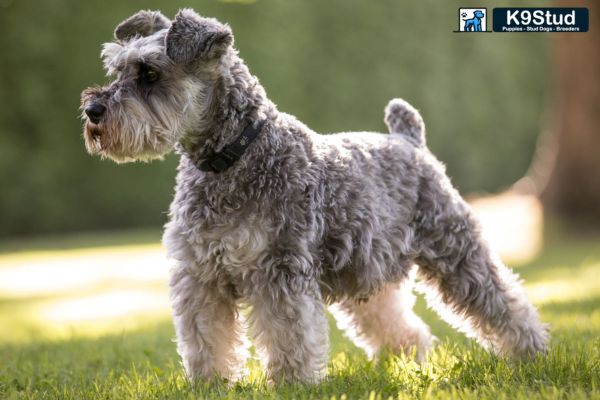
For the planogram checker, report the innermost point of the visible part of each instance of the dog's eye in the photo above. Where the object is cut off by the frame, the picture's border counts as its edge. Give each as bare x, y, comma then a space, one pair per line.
148, 75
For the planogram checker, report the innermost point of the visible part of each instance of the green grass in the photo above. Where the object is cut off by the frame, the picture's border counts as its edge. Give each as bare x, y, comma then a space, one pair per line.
134, 356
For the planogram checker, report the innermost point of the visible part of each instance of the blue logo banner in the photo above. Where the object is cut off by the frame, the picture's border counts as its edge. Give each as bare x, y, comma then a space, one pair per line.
541, 19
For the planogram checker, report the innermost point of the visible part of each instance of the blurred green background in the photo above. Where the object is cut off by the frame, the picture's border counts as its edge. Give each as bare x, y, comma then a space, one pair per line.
333, 64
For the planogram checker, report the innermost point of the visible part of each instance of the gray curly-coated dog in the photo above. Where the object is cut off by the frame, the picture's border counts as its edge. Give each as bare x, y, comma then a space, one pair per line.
271, 214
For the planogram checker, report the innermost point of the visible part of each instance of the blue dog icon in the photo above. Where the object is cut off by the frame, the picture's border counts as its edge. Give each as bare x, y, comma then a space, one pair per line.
474, 24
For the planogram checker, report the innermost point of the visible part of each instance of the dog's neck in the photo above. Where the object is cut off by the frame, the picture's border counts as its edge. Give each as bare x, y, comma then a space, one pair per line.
236, 101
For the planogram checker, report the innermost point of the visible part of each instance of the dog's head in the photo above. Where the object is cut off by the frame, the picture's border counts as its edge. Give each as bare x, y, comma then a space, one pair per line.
478, 14
164, 75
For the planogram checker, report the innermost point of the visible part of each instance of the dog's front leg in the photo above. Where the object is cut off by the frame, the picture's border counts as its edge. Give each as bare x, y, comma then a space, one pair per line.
288, 324
208, 327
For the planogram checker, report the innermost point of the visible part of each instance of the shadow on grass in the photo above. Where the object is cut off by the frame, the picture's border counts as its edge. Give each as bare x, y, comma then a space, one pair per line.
81, 240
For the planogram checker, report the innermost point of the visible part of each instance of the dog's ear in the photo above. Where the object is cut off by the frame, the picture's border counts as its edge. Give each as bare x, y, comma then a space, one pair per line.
192, 37
144, 23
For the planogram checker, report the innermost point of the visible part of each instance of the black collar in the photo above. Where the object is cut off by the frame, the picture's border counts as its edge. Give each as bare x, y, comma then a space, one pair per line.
219, 162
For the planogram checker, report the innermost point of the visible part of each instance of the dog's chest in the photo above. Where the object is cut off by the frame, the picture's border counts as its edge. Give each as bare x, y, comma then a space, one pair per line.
233, 248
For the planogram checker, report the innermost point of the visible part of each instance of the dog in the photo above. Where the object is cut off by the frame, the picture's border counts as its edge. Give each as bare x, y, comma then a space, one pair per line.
474, 24
267, 213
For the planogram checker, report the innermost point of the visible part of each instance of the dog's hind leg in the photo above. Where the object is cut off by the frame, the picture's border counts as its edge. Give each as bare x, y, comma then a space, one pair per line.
473, 289
385, 321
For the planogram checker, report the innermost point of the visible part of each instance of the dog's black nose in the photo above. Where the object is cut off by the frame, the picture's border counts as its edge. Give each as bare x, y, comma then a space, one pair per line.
95, 111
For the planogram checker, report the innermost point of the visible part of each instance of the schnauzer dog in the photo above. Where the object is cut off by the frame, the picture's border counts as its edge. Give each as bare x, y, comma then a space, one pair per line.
270, 214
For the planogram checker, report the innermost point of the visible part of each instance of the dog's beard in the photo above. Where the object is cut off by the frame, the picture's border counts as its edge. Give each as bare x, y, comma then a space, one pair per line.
126, 134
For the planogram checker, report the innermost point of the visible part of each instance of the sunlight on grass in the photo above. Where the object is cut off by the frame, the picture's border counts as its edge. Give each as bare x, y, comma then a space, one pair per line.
577, 284
49, 272
104, 305
82, 292
575, 323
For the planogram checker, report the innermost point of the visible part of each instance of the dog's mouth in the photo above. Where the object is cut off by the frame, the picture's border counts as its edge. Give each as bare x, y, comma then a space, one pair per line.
95, 137
98, 142
94, 130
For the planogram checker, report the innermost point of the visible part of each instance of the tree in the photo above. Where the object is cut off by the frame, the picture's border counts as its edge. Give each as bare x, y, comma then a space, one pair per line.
567, 166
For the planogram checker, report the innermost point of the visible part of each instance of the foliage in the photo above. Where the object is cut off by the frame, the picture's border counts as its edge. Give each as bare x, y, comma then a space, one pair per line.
333, 64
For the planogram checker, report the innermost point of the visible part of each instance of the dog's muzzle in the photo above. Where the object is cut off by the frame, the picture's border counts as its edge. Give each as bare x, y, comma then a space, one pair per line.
95, 112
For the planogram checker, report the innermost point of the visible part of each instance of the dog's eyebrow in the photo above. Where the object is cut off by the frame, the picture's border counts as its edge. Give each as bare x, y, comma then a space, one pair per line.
111, 55
117, 56
153, 54
155, 62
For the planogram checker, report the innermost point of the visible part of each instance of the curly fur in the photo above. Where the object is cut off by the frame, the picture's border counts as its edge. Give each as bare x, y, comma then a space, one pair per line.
301, 220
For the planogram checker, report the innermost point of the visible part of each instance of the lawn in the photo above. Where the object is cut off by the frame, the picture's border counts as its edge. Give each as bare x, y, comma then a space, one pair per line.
87, 317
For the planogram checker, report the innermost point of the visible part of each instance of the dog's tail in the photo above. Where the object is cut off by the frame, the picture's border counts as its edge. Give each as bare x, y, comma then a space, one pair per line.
404, 119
